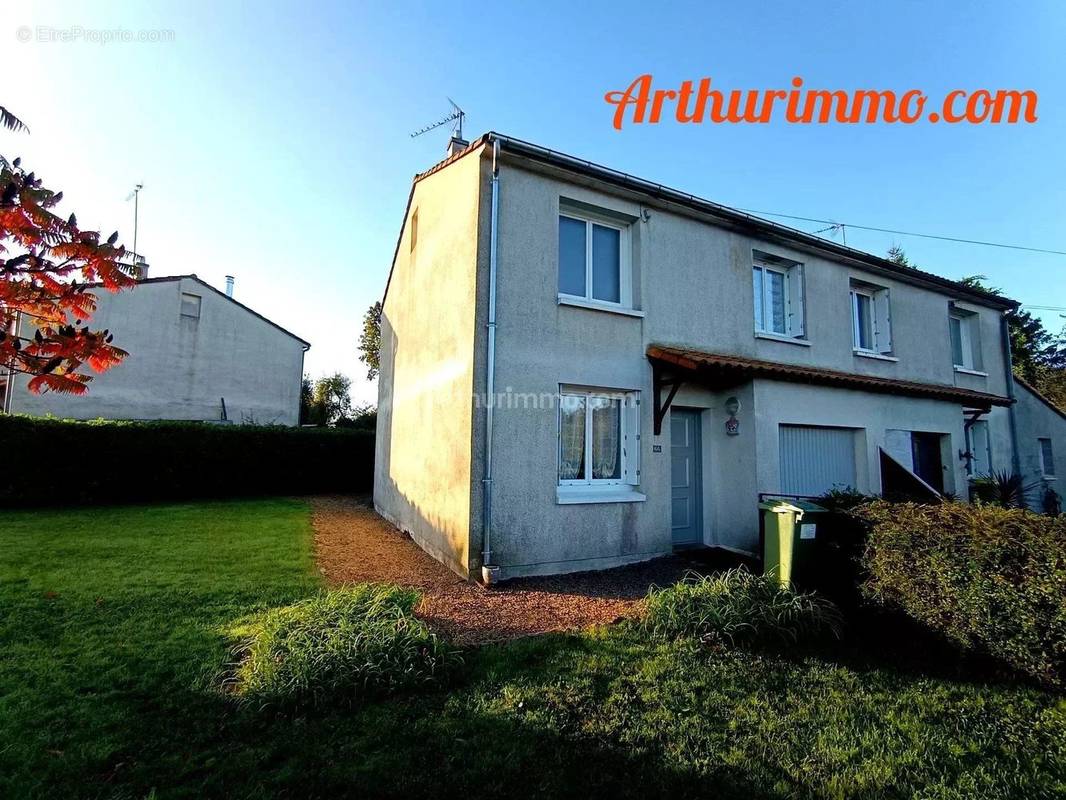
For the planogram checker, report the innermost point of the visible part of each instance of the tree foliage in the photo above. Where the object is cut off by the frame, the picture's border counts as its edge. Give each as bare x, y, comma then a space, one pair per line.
306, 399
897, 256
45, 264
11, 122
330, 401
370, 341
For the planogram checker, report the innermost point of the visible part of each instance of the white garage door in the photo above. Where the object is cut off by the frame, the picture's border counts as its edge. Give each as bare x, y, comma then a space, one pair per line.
815, 460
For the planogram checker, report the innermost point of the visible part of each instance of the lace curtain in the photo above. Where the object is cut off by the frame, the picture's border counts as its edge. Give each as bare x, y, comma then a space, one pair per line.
604, 414
606, 438
572, 438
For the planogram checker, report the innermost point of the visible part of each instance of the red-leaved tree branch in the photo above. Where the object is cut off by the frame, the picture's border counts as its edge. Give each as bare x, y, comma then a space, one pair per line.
46, 263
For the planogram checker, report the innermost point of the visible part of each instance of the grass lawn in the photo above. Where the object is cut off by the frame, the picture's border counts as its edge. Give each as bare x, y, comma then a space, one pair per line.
113, 630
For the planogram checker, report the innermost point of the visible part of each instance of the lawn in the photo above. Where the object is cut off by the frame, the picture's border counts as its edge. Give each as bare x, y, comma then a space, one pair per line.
114, 629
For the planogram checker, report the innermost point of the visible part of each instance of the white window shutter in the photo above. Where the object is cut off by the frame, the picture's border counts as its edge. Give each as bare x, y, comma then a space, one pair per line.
631, 441
882, 322
794, 279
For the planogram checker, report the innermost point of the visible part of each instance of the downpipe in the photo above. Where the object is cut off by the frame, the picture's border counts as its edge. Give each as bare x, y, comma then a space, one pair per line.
490, 572
1016, 463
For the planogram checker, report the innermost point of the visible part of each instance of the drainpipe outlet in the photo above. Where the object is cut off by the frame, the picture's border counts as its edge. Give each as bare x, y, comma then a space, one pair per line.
490, 575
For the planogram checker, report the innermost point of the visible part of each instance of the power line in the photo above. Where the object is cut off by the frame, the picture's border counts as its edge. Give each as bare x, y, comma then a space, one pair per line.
841, 225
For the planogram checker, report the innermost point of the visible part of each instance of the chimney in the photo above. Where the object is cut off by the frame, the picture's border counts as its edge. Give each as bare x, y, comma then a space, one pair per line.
229, 286
141, 269
456, 144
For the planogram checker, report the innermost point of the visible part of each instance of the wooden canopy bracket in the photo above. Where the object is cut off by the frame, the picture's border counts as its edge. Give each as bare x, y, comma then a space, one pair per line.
673, 384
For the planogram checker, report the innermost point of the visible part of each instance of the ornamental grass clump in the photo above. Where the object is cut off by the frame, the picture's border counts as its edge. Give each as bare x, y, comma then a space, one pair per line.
738, 606
340, 646
991, 580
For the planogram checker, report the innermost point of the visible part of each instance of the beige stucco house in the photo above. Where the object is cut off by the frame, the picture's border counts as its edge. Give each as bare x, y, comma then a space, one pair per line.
582, 369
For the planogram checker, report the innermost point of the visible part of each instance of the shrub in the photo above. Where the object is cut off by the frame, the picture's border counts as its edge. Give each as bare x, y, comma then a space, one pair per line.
63, 462
340, 646
992, 580
1001, 488
738, 606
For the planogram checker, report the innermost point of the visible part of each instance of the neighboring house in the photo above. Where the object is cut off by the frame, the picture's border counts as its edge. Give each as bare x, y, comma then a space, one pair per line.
1041, 431
194, 354
655, 363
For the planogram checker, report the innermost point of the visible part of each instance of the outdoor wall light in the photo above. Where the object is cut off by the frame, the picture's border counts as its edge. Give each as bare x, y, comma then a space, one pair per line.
732, 425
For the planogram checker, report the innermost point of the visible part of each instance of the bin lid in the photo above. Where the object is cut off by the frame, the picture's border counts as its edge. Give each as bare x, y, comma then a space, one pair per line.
790, 506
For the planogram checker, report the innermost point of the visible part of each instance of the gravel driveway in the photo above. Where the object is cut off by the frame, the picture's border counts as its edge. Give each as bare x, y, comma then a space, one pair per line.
353, 544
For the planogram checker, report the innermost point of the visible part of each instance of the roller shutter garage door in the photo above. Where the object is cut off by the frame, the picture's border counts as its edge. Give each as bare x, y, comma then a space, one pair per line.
815, 460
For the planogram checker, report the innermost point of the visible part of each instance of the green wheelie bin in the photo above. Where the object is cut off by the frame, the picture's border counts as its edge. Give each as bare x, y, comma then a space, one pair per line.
790, 538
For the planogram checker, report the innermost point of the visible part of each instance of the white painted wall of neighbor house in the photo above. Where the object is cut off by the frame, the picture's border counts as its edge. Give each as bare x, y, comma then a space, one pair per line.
178, 368
1035, 420
693, 282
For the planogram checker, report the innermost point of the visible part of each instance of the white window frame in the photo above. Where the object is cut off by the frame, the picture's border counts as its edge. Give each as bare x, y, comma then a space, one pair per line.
965, 339
625, 271
629, 437
880, 319
1044, 472
792, 290
856, 324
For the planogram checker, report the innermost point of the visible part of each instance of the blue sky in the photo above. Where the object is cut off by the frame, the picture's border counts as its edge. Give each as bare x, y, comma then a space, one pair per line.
273, 140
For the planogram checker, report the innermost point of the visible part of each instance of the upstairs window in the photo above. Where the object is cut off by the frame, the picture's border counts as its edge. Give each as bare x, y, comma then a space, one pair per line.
777, 285
190, 305
965, 344
599, 437
593, 259
871, 324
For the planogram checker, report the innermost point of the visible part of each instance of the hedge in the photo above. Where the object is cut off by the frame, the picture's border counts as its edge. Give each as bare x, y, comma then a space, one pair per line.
992, 580
50, 462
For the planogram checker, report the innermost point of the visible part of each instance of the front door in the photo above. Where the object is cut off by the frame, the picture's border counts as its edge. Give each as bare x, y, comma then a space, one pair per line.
686, 474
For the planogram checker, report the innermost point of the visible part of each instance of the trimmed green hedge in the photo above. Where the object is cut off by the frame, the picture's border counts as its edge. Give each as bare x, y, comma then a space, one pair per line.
49, 462
990, 579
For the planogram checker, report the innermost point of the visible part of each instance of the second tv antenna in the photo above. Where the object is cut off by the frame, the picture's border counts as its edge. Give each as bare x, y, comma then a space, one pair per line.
455, 116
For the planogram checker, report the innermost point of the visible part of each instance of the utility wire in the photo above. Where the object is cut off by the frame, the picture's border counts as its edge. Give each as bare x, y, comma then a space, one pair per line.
835, 224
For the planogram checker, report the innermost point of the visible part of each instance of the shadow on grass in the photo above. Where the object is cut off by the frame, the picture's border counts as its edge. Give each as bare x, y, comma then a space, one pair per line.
878, 640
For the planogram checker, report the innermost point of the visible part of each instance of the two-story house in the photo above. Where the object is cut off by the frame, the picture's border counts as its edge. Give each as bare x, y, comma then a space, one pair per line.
581, 369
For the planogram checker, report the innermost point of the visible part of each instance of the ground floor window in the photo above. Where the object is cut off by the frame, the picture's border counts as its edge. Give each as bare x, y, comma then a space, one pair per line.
599, 434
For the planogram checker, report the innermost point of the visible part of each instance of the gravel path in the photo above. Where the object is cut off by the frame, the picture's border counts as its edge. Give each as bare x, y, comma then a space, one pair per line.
353, 544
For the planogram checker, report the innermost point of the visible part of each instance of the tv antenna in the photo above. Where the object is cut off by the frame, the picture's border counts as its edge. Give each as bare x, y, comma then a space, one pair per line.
455, 116
134, 196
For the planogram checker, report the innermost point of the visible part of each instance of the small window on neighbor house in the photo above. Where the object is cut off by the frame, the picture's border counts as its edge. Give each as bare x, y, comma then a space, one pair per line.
962, 326
190, 305
414, 229
1047, 459
599, 434
593, 259
870, 319
777, 286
